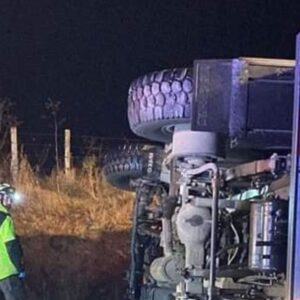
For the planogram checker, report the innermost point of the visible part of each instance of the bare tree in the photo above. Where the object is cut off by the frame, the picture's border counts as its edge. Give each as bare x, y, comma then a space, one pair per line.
7, 120
53, 106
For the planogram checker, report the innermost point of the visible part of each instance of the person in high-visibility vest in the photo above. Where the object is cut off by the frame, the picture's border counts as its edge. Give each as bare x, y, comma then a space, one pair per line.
11, 256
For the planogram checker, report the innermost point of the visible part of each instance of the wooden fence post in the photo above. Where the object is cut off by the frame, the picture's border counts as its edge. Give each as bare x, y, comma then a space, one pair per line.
67, 153
14, 163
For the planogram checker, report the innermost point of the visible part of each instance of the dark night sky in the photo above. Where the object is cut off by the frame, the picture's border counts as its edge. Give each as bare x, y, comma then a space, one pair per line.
85, 53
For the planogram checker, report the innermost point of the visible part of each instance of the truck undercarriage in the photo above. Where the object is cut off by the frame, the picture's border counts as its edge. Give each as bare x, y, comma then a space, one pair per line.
216, 220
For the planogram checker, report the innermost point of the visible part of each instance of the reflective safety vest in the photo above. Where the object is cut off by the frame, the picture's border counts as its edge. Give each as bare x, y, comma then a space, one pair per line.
9, 248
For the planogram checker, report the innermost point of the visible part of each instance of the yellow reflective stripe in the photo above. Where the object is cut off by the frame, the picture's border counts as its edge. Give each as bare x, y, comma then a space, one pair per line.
7, 230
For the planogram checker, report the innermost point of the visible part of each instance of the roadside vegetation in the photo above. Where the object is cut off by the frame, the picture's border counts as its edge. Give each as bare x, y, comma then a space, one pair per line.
75, 233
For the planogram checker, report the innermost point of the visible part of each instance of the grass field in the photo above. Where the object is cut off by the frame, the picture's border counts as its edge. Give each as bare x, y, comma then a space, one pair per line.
75, 234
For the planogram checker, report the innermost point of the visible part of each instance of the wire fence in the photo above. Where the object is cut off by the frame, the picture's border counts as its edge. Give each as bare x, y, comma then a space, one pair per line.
39, 148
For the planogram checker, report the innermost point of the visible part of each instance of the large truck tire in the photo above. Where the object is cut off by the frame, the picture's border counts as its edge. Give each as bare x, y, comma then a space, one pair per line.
158, 101
132, 162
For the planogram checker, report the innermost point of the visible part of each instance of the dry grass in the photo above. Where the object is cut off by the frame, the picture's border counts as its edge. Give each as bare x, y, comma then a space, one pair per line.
75, 233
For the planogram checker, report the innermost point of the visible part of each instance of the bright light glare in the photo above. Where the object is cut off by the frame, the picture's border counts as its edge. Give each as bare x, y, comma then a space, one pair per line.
18, 198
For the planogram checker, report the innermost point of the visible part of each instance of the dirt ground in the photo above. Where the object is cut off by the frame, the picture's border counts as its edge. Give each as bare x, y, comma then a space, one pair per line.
68, 267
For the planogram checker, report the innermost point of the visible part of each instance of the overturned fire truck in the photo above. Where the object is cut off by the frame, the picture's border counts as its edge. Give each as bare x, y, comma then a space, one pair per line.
217, 187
